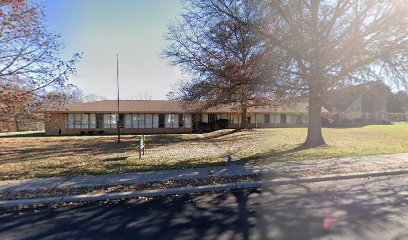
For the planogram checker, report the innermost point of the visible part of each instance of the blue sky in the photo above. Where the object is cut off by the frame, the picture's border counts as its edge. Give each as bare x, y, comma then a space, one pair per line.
102, 28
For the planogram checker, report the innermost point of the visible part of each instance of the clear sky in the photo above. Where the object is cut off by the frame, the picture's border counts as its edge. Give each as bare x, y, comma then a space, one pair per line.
102, 28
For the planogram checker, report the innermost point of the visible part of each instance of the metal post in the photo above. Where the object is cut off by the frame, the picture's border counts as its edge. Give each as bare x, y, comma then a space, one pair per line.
117, 82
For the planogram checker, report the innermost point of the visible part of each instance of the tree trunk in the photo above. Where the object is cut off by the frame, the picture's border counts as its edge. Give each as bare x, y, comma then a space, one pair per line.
314, 130
244, 118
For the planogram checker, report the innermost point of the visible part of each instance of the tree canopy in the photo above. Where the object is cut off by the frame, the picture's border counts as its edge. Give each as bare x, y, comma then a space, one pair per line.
30, 63
331, 43
221, 55
300, 48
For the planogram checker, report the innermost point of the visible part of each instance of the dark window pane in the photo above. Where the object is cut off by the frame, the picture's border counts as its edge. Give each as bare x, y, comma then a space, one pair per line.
161, 120
267, 118
283, 118
181, 120
212, 118
121, 120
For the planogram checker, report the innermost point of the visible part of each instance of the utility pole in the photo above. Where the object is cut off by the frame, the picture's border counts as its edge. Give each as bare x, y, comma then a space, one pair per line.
117, 83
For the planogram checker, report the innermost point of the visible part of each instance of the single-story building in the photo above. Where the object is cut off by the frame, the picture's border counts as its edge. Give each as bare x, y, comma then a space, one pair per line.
162, 116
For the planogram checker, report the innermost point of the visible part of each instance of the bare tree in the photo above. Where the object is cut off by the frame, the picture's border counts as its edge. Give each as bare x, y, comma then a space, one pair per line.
327, 44
30, 65
29, 53
214, 44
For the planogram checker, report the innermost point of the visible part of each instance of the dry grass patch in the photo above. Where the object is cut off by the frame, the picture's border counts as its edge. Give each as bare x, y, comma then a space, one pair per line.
40, 156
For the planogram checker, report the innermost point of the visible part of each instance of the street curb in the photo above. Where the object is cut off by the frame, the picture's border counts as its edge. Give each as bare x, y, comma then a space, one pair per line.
194, 189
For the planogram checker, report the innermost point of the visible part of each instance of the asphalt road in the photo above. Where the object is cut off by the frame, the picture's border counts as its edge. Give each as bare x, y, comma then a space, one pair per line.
375, 208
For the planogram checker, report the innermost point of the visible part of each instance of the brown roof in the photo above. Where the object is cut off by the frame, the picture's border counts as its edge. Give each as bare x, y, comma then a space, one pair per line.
131, 106
167, 106
298, 107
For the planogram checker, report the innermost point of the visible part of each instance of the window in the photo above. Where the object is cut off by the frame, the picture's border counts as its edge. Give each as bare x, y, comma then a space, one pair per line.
70, 120
187, 121
148, 120
85, 118
135, 123
235, 119
77, 120
181, 121
141, 121
204, 118
267, 118
155, 120
106, 120
121, 120
128, 120
99, 120
174, 120
114, 120
92, 121
161, 120
283, 118
168, 123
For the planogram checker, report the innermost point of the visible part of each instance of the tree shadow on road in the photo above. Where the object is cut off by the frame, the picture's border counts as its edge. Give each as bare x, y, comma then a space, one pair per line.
367, 209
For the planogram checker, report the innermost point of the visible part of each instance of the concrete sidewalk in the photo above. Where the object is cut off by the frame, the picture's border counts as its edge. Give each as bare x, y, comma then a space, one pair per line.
286, 169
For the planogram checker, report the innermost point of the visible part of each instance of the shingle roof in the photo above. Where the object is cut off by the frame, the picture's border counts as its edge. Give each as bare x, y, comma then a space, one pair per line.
134, 106
167, 106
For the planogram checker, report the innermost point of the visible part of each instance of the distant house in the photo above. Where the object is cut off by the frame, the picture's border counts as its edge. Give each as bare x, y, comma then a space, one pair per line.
365, 103
160, 116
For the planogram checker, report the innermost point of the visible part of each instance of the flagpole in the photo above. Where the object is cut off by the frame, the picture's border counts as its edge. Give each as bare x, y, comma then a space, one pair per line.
117, 83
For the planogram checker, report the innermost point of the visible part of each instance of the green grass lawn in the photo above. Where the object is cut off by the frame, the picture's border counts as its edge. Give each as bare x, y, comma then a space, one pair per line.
35, 155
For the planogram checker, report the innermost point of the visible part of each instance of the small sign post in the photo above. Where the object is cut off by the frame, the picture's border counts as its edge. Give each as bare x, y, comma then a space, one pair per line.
141, 146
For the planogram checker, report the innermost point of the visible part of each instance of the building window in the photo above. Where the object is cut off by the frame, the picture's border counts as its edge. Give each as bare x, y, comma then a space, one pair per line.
77, 120
168, 120
141, 121
283, 118
161, 120
99, 120
70, 120
92, 121
155, 120
148, 120
181, 121
85, 121
121, 120
187, 121
267, 118
128, 120
106, 120
135, 120
114, 120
